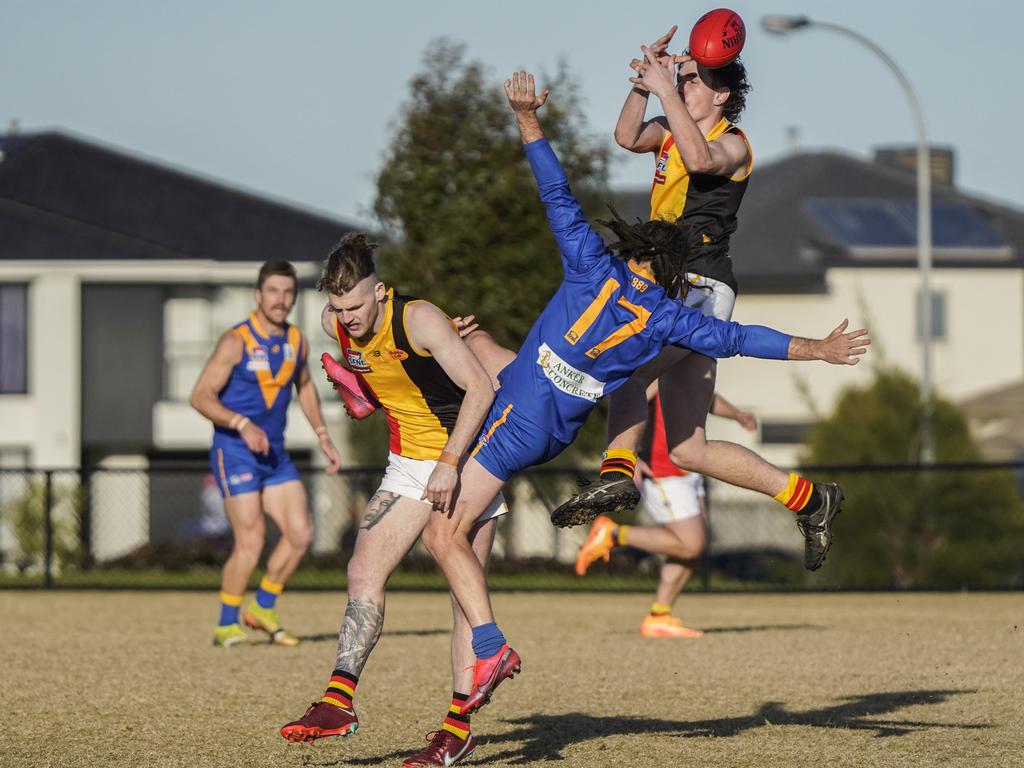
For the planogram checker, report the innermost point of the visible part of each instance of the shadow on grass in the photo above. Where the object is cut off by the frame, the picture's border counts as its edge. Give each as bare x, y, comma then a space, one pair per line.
544, 737
323, 637
758, 628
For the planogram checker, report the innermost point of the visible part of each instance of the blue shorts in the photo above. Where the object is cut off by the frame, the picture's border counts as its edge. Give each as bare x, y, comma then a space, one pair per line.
239, 470
510, 444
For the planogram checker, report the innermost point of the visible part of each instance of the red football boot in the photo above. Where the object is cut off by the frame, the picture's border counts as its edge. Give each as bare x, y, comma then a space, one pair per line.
488, 674
358, 401
445, 748
321, 719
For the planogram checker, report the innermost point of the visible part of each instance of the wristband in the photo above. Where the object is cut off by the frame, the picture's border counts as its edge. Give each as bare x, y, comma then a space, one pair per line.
242, 423
321, 430
449, 458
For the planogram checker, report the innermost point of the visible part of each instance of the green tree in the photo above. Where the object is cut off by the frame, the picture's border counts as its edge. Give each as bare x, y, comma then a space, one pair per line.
944, 528
460, 209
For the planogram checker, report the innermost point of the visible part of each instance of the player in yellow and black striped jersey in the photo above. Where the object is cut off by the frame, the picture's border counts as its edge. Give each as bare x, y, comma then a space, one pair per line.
703, 164
404, 355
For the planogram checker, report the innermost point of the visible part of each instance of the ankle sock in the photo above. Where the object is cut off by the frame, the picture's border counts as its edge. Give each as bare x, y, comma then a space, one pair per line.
617, 463
799, 495
619, 534
229, 607
341, 689
268, 592
454, 721
660, 609
487, 640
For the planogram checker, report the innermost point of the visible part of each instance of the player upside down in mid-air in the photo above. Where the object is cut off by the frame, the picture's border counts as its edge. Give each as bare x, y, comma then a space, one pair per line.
611, 314
404, 355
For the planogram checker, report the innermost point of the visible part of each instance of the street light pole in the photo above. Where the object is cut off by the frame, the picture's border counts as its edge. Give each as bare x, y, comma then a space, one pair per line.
783, 24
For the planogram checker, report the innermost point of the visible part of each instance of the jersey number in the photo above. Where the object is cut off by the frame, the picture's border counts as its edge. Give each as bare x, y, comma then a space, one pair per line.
617, 336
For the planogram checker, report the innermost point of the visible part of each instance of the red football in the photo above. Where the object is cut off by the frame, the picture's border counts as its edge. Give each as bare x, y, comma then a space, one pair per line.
717, 38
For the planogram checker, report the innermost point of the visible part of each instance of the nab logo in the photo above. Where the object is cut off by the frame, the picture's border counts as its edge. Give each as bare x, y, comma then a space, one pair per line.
289, 352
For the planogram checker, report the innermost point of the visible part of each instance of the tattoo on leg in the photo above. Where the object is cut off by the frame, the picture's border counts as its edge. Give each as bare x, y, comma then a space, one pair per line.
360, 631
380, 504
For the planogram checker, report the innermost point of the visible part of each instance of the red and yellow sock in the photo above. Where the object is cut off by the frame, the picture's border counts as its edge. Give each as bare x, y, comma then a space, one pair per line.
341, 689
455, 722
617, 463
660, 609
797, 493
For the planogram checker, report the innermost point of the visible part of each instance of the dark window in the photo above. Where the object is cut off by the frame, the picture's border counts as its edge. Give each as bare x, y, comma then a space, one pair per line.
784, 432
938, 316
13, 339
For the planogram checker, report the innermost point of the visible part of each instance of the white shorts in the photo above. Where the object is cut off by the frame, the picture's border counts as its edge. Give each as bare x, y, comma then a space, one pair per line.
668, 499
408, 477
712, 297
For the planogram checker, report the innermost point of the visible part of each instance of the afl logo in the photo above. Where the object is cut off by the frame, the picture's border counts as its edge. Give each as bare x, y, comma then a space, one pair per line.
399, 354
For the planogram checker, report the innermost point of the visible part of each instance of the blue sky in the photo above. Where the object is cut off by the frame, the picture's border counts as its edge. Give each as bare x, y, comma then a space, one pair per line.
298, 100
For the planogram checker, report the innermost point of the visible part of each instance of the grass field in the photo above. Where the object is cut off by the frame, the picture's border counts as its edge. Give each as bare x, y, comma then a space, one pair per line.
129, 678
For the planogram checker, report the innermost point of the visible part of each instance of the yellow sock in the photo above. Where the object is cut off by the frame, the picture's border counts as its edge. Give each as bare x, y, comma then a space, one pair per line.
660, 609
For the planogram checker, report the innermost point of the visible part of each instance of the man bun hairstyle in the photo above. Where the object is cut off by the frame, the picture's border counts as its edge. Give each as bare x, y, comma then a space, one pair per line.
349, 262
662, 244
276, 267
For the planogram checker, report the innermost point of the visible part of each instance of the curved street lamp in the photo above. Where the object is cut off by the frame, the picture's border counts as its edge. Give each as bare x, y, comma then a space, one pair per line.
781, 25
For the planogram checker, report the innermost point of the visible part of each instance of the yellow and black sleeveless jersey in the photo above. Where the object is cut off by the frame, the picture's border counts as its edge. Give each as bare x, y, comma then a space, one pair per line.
419, 399
704, 204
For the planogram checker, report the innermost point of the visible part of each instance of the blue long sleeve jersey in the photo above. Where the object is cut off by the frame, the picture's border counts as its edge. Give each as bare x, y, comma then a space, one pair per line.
604, 322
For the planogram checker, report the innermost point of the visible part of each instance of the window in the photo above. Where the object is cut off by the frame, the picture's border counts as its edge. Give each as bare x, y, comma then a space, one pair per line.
938, 315
13, 339
784, 432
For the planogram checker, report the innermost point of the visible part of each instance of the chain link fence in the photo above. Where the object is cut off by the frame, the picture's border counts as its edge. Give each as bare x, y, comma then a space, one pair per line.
945, 526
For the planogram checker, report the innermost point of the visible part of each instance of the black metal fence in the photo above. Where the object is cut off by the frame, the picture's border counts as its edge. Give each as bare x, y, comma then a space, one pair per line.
903, 526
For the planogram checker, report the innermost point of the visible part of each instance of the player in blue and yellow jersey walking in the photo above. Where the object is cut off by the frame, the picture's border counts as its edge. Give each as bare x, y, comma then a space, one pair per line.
245, 389
613, 312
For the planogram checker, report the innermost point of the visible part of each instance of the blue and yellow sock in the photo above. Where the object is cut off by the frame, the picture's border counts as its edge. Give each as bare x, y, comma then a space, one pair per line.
487, 640
267, 594
229, 605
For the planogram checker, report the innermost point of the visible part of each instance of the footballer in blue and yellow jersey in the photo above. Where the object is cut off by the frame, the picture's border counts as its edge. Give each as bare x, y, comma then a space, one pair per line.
607, 318
260, 389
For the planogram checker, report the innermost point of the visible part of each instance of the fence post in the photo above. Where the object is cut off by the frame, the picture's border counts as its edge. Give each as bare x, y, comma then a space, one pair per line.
48, 529
85, 523
705, 556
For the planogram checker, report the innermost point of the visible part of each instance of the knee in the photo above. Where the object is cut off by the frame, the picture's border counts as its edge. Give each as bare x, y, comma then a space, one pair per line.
249, 545
688, 455
689, 547
300, 536
363, 578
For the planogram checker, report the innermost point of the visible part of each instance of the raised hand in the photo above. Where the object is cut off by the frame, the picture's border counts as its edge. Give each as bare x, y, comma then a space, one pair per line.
521, 91
658, 73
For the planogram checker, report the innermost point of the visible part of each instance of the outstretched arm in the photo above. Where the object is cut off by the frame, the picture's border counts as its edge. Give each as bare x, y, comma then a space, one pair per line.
722, 338
309, 401
631, 132
726, 410
581, 247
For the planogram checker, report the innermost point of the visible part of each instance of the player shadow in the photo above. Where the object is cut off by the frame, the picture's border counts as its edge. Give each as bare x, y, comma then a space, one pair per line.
333, 636
758, 628
544, 738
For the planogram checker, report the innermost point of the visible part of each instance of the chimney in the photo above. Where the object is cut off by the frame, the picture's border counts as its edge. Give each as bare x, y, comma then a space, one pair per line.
904, 158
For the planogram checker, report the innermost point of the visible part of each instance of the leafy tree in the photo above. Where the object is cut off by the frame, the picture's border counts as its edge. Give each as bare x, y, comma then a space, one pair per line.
459, 205
942, 528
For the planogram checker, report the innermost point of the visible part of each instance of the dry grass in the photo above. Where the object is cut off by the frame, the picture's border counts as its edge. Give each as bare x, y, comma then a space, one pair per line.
96, 679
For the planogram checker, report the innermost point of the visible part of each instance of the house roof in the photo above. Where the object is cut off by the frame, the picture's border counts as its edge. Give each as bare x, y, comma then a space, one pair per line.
998, 420
62, 197
781, 246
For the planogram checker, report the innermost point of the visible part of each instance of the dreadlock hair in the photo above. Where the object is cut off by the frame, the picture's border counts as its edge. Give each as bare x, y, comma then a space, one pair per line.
349, 262
662, 244
734, 77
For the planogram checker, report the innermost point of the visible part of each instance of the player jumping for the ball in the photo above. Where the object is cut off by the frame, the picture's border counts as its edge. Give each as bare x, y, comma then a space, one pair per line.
703, 162
611, 314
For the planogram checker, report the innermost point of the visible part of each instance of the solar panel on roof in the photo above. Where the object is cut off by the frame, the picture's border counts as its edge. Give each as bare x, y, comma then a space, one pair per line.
892, 224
